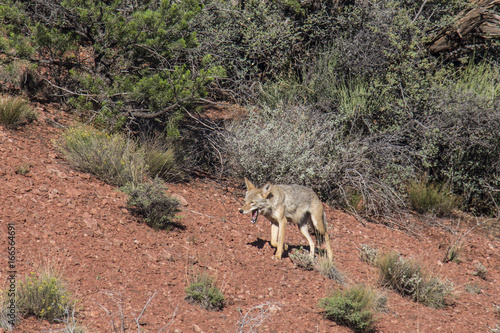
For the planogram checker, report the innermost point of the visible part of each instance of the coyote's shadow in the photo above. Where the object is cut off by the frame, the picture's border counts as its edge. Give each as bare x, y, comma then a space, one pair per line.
260, 243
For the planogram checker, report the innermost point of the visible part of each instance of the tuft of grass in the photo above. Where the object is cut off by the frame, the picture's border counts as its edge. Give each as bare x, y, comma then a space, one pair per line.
15, 112
165, 159
431, 198
203, 292
110, 157
473, 288
407, 277
44, 295
23, 169
327, 268
150, 201
353, 307
453, 252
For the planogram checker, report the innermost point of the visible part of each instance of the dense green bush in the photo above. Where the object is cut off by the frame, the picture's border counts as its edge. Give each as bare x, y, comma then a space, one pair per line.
203, 292
151, 201
383, 109
353, 307
432, 198
121, 61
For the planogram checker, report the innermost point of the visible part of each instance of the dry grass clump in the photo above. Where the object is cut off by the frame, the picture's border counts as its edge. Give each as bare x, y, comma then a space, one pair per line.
407, 277
15, 112
110, 157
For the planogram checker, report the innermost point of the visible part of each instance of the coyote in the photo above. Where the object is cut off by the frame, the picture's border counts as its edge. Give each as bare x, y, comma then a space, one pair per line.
294, 203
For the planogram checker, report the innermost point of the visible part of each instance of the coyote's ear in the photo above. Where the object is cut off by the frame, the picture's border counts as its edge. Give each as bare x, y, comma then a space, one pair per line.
249, 184
266, 190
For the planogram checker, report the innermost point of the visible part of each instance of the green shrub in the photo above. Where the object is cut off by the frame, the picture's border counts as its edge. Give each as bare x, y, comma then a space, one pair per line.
432, 198
110, 157
15, 112
44, 296
203, 292
353, 307
150, 201
407, 278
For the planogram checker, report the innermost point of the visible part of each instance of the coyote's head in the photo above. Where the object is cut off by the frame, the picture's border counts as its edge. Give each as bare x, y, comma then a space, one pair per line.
255, 199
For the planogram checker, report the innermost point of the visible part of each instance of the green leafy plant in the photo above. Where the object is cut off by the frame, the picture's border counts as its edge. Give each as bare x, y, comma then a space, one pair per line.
353, 307
203, 292
139, 70
407, 277
15, 112
150, 201
110, 157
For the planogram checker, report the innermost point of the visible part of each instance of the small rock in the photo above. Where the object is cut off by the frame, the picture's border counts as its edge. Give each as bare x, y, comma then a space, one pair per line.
180, 198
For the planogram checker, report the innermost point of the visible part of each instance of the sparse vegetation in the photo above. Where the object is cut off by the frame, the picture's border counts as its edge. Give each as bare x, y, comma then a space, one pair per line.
203, 292
473, 288
110, 157
300, 257
353, 307
151, 201
407, 277
15, 112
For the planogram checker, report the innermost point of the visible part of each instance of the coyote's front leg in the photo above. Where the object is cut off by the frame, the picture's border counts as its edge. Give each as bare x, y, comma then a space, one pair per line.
281, 238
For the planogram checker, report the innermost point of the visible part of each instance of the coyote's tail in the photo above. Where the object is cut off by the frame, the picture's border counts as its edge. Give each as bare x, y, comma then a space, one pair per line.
320, 231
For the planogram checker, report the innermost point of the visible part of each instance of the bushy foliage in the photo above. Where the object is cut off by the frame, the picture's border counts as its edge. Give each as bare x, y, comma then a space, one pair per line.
302, 146
110, 157
203, 292
408, 278
44, 296
353, 307
15, 112
150, 201
120, 60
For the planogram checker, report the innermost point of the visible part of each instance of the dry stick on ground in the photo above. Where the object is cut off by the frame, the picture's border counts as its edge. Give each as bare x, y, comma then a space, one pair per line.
264, 311
142, 312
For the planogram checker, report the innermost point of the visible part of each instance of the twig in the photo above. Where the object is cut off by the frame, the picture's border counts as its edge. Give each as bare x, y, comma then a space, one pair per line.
142, 312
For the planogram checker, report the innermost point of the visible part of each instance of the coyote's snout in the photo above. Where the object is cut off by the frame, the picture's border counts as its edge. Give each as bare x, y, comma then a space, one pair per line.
293, 203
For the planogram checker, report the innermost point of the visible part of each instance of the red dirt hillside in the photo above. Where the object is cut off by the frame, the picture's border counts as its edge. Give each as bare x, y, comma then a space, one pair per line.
109, 259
